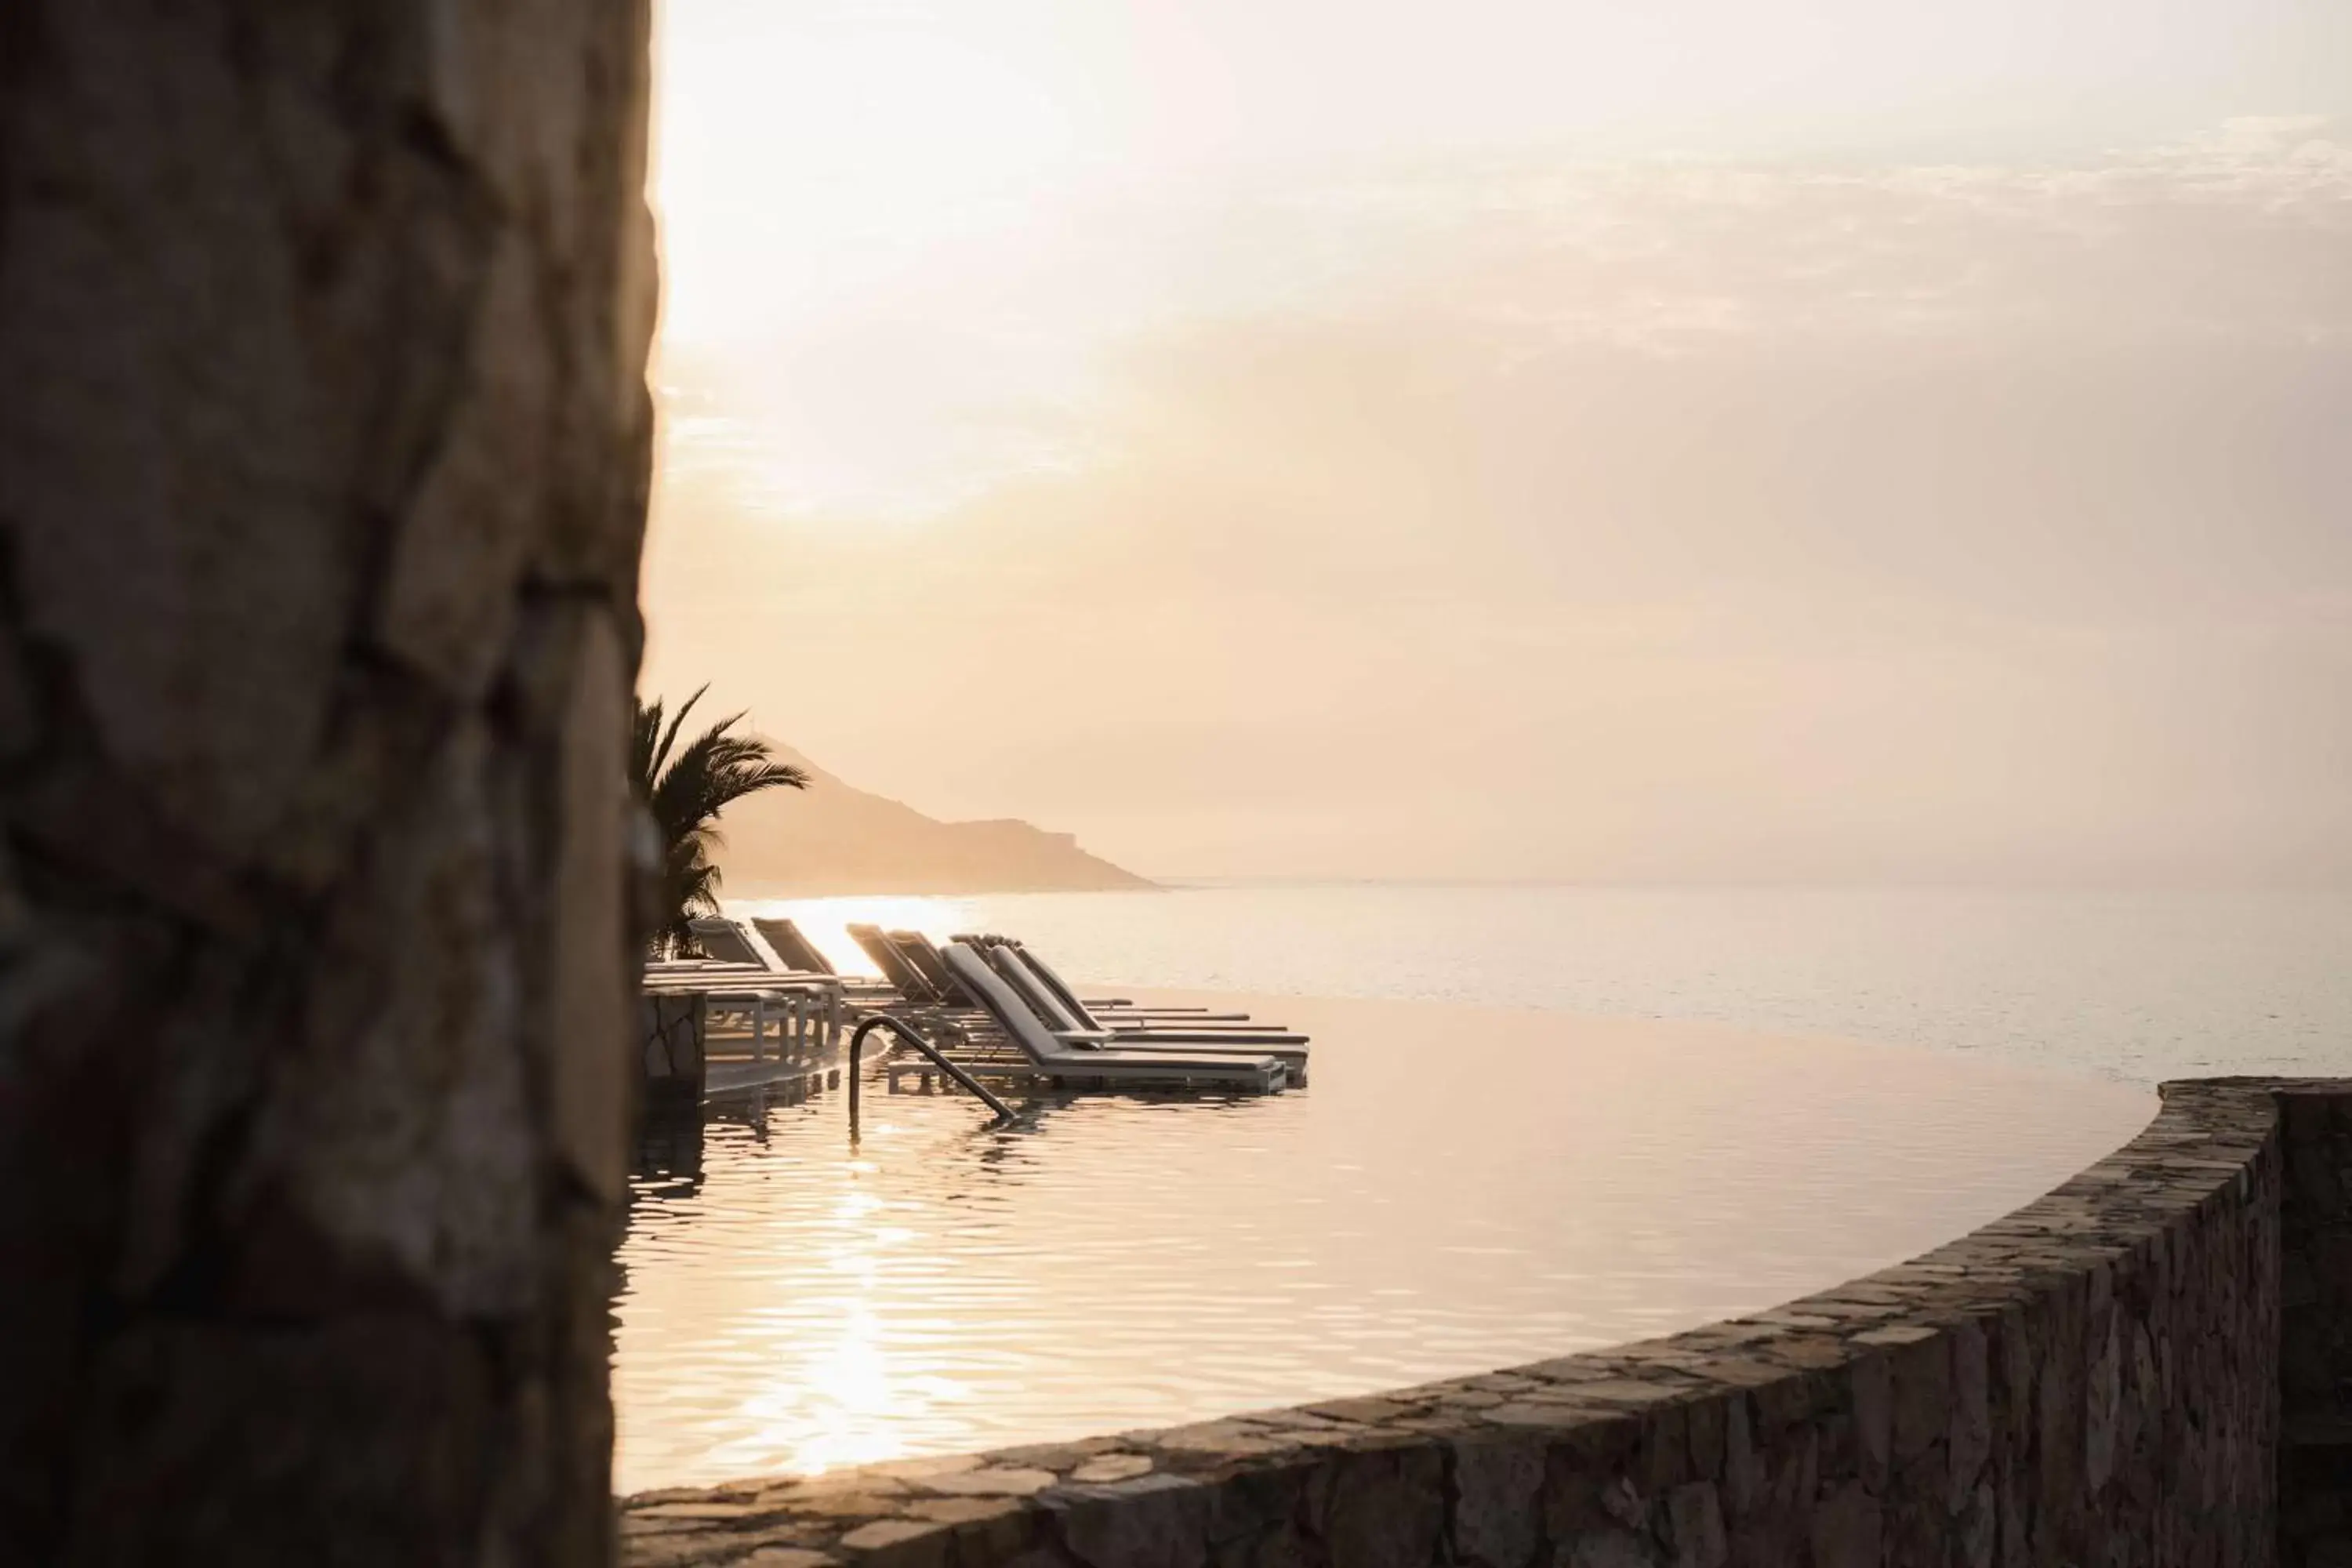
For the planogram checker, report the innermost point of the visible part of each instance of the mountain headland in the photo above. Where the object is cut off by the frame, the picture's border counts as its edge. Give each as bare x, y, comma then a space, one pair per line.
832, 839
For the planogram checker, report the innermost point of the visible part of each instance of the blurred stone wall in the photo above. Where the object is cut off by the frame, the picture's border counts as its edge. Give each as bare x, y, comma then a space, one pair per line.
2094, 1379
323, 456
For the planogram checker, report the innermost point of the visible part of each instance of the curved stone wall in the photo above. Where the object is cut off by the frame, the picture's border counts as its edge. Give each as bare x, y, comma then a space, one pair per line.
2094, 1378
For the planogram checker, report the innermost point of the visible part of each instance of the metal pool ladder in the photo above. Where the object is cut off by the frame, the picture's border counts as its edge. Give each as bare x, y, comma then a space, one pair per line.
907, 1033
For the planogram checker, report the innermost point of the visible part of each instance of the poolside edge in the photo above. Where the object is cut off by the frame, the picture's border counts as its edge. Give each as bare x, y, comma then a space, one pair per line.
2097, 1375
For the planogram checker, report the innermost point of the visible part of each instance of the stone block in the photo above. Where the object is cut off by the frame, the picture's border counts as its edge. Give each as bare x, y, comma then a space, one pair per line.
900, 1541
1152, 1521
1111, 1467
1743, 1467
1498, 1502
1847, 1530
670, 1031
1871, 1382
1608, 1548
1694, 1526
1665, 1449
993, 1481
1387, 1511
1921, 1376
1705, 1423
1622, 1500
1968, 1440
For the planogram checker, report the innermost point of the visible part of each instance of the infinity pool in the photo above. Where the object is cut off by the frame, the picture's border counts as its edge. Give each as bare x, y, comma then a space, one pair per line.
1459, 1189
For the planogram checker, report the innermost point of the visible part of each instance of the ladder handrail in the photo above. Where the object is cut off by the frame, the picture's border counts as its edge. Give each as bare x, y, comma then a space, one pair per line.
907, 1032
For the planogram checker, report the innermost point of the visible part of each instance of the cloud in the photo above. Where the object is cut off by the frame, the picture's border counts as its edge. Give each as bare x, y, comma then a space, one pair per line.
1516, 517
2243, 232
911, 393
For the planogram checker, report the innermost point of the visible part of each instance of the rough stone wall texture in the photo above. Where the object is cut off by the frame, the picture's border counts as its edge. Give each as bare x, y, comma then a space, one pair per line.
2092, 1380
2315, 1330
670, 1033
323, 447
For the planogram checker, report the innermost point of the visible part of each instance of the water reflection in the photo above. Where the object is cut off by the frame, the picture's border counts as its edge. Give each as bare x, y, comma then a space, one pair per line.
669, 1155
995, 1145
1459, 1190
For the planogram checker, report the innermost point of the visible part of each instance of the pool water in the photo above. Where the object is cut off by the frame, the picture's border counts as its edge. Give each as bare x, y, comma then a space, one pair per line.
1460, 1188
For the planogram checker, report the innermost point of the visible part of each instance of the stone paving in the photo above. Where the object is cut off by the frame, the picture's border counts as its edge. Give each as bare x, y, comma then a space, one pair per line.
2093, 1378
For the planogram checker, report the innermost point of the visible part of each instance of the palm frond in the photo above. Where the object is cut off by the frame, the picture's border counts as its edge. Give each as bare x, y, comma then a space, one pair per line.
669, 739
685, 789
711, 772
644, 739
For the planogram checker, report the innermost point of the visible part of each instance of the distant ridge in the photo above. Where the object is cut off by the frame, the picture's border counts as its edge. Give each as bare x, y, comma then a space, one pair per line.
832, 839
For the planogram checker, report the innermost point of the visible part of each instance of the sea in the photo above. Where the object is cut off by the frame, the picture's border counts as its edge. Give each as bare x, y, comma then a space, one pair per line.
1541, 1120
2139, 986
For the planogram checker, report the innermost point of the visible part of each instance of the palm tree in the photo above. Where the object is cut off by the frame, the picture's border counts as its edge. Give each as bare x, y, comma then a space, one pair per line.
686, 790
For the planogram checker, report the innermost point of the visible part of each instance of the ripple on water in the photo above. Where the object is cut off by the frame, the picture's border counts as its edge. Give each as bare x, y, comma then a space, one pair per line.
1459, 1190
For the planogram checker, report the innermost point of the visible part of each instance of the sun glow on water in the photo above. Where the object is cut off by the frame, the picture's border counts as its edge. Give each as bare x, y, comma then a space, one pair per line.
837, 1398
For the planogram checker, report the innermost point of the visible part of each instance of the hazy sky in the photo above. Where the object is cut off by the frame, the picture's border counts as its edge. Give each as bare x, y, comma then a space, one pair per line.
1527, 438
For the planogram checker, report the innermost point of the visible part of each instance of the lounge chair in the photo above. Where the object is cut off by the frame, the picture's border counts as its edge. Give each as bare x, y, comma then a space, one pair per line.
1030, 973
939, 1003
923, 957
736, 963
899, 970
739, 959
786, 941
1114, 1012
919, 953
1048, 1052
802, 956
726, 941
1081, 1029
803, 964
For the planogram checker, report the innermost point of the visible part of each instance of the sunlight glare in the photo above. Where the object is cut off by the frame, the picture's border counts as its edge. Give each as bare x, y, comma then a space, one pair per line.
883, 141
827, 922
839, 1401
